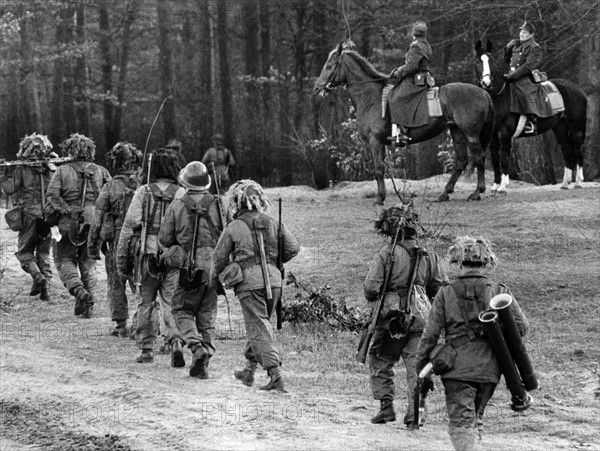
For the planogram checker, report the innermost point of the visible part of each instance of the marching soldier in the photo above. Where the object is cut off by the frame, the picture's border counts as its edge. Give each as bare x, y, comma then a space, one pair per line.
27, 187
155, 283
189, 233
72, 194
111, 208
223, 162
474, 371
411, 264
251, 239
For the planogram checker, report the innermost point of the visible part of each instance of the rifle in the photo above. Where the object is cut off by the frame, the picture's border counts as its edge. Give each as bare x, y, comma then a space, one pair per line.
422, 388
259, 227
367, 335
143, 233
49, 163
279, 305
219, 206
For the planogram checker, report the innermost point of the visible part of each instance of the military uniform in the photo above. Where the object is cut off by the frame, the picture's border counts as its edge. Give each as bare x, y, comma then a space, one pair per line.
111, 208
195, 309
239, 239
407, 101
64, 195
386, 351
161, 282
26, 187
471, 381
224, 163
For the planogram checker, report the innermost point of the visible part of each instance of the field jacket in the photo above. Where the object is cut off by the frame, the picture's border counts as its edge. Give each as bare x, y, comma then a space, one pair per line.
25, 188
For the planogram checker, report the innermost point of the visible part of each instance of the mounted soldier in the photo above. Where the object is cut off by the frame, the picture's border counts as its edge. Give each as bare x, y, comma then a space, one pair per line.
407, 100
139, 251
26, 185
111, 208
72, 194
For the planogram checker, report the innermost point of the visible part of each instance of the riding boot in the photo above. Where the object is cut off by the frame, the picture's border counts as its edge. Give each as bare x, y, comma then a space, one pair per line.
401, 138
276, 382
246, 375
386, 412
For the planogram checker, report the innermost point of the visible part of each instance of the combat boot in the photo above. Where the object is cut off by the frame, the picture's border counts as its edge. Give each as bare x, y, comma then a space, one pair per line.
276, 382
386, 413
177, 360
45, 291
147, 356
89, 307
81, 299
120, 329
34, 270
246, 375
199, 364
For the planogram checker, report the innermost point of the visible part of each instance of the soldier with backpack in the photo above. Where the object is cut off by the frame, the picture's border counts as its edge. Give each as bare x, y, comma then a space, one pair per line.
189, 233
139, 251
111, 208
415, 276
72, 195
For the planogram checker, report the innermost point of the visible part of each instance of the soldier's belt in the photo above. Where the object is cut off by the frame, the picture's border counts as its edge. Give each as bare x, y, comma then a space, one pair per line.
253, 261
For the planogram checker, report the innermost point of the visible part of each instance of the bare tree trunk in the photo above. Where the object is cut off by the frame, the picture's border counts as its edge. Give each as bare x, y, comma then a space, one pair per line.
130, 17
224, 75
30, 88
253, 123
107, 85
205, 74
533, 159
590, 81
68, 19
81, 97
165, 67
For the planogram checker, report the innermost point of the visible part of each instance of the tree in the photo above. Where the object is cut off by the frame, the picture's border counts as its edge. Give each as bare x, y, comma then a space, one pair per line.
224, 75
165, 67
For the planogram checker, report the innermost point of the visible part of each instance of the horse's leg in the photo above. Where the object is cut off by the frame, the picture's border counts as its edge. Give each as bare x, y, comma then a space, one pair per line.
479, 164
460, 163
378, 157
569, 151
505, 146
495, 153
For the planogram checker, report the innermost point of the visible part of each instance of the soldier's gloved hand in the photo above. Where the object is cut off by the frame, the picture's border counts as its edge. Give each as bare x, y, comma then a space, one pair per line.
394, 73
512, 44
93, 252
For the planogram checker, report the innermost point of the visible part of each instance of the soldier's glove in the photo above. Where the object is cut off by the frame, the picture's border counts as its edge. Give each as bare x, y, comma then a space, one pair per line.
512, 44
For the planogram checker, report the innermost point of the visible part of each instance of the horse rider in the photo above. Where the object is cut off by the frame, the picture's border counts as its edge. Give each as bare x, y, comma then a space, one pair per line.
471, 369
26, 185
72, 192
387, 347
524, 56
407, 101
224, 164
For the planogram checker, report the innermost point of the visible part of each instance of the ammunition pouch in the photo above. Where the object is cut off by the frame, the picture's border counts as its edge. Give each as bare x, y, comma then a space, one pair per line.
443, 359
14, 219
231, 276
538, 76
190, 278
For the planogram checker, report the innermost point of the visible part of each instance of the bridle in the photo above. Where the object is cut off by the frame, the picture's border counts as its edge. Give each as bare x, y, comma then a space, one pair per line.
487, 80
331, 83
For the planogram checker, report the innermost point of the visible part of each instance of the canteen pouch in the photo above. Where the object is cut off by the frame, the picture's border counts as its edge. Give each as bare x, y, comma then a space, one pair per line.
14, 219
421, 79
231, 276
443, 359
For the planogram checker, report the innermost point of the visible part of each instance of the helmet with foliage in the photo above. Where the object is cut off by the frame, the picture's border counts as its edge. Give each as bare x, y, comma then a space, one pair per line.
165, 164
400, 216
247, 194
79, 147
468, 251
34, 146
124, 156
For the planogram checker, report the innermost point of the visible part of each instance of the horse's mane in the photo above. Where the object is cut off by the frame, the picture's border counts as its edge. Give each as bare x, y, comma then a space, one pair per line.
366, 65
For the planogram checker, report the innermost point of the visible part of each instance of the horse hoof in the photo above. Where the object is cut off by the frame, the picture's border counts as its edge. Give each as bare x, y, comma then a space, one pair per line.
474, 197
564, 187
578, 187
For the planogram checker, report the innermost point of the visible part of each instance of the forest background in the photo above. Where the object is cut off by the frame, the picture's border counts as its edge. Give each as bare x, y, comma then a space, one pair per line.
246, 68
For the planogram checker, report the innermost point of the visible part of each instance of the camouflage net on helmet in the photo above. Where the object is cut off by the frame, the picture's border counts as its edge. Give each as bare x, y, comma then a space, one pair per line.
472, 250
402, 216
79, 147
34, 146
124, 156
247, 194
166, 164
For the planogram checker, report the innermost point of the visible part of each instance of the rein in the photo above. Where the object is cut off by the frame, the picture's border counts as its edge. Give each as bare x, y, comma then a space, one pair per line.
332, 84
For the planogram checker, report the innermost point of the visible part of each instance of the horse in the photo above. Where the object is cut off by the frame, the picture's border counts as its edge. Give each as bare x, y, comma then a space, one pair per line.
467, 113
568, 126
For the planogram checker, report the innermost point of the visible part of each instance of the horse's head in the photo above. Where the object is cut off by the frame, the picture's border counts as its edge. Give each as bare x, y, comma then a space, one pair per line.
484, 65
332, 75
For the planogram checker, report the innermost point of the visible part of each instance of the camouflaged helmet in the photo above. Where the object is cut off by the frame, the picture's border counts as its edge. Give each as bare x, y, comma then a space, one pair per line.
78, 147
34, 146
419, 29
124, 156
247, 194
403, 216
218, 138
468, 251
165, 164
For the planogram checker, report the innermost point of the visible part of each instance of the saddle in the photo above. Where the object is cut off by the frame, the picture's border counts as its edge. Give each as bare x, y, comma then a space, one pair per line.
433, 101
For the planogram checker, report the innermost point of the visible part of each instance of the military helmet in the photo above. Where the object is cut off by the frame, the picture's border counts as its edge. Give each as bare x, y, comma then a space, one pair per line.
124, 156
247, 194
403, 216
468, 251
195, 176
218, 138
174, 144
34, 146
419, 29
78, 147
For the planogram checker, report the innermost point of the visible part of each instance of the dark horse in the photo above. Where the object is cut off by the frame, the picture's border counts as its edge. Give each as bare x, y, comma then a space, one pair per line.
568, 126
467, 113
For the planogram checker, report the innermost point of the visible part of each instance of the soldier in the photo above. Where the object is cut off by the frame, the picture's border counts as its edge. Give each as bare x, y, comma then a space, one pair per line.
251, 236
189, 231
410, 261
413, 75
27, 187
72, 193
223, 162
472, 378
524, 55
111, 207
139, 238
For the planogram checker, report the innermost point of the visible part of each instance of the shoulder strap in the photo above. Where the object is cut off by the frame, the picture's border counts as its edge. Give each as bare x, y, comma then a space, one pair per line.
415, 260
193, 211
474, 296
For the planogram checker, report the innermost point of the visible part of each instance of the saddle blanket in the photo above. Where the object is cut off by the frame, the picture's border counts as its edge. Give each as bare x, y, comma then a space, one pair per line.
433, 101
